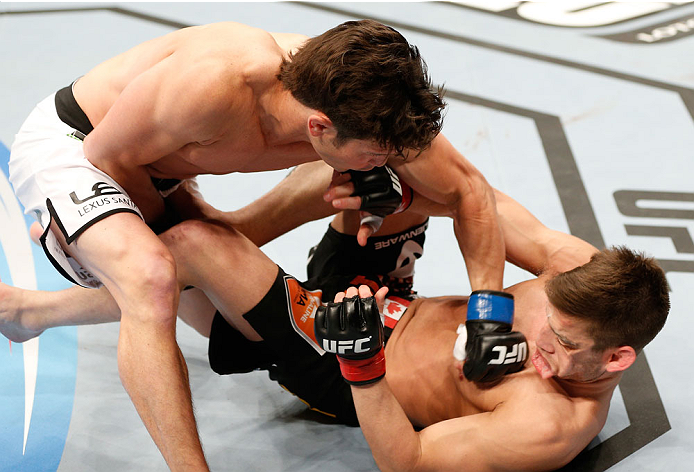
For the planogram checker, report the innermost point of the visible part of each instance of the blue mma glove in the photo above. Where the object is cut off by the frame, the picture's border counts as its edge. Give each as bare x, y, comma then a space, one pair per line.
491, 349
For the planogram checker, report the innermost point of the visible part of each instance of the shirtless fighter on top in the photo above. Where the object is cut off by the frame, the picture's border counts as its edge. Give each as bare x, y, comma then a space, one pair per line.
91, 161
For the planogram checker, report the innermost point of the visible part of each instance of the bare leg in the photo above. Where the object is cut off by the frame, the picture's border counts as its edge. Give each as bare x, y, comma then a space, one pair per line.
140, 274
25, 314
234, 274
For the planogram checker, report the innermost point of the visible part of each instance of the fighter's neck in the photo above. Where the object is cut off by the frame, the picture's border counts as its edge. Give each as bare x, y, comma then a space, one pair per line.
603, 385
282, 118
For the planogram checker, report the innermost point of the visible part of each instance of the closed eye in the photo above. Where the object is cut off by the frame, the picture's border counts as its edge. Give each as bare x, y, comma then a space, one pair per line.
565, 345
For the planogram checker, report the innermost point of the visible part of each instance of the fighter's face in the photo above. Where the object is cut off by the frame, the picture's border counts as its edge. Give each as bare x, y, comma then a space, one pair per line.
564, 349
354, 154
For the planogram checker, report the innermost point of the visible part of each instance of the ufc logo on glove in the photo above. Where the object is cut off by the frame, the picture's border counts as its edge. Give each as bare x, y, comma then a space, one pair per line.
485, 342
519, 353
347, 346
352, 329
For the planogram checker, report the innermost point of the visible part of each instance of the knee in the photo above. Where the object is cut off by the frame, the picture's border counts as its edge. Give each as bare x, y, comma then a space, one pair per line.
195, 237
150, 291
157, 272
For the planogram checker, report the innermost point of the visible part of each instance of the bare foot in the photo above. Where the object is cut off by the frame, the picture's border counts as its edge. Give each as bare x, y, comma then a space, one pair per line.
10, 318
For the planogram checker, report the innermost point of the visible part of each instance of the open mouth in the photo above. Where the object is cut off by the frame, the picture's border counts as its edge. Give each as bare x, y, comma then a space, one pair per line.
541, 365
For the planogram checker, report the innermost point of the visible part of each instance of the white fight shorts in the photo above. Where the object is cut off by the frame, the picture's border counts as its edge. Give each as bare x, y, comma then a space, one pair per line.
55, 182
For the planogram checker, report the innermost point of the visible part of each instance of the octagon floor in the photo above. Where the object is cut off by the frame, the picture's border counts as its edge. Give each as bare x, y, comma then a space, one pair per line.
584, 112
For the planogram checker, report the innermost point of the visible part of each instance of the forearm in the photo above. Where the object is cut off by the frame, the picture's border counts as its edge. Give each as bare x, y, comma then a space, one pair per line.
137, 183
534, 247
480, 238
139, 187
394, 443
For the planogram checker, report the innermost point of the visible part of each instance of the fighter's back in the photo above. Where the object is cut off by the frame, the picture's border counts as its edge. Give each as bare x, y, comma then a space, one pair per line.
234, 46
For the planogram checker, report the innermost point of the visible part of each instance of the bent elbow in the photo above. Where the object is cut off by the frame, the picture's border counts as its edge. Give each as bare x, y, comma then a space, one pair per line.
475, 198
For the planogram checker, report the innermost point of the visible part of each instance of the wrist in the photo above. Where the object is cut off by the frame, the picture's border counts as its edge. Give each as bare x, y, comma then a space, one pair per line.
363, 371
406, 198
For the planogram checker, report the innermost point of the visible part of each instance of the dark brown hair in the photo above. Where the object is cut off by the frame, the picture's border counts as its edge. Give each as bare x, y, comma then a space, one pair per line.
622, 294
370, 82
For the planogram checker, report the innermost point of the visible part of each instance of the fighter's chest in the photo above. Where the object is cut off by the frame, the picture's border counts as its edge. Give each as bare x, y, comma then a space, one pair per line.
228, 155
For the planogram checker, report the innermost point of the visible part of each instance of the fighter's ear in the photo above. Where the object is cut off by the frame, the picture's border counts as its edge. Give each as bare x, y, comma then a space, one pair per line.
319, 124
620, 358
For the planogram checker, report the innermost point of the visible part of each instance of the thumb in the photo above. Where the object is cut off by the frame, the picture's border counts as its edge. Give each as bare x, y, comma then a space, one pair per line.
369, 225
380, 297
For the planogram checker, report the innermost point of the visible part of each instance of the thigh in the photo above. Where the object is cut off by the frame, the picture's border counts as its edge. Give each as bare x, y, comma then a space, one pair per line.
131, 261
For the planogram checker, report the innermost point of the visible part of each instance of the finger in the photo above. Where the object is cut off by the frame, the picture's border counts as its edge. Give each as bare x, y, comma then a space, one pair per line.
381, 298
364, 233
351, 292
347, 203
364, 291
369, 225
339, 297
339, 191
339, 178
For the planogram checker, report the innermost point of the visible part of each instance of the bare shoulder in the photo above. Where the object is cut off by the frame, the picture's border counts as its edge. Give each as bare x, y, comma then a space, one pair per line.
234, 44
222, 67
289, 42
255, 40
557, 425
535, 427
206, 85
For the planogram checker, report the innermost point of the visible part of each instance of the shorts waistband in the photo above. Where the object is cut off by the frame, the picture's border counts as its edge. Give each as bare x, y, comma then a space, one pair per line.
70, 112
378, 242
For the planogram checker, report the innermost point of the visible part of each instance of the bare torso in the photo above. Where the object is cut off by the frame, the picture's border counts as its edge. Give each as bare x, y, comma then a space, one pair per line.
228, 66
423, 376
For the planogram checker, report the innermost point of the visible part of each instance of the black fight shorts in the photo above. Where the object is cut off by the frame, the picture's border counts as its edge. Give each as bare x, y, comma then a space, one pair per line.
284, 317
392, 257
289, 351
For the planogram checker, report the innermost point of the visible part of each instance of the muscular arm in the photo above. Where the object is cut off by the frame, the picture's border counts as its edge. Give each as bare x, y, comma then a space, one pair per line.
157, 113
523, 434
297, 199
534, 247
443, 175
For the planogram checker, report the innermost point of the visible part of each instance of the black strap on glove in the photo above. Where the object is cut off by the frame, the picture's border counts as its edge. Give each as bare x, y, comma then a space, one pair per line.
381, 191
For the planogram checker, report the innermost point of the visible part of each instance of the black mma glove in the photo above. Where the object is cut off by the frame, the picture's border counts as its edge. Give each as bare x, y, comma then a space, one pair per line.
491, 349
352, 329
381, 191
